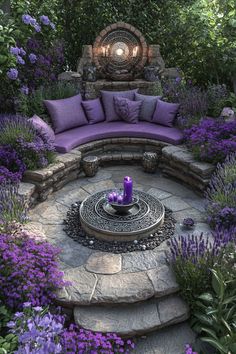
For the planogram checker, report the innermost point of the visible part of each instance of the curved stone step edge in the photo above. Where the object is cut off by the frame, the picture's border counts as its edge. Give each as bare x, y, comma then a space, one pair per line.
88, 288
133, 319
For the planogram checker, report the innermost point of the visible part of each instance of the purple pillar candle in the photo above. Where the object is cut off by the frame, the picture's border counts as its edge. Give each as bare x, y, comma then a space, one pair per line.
120, 199
110, 197
128, 190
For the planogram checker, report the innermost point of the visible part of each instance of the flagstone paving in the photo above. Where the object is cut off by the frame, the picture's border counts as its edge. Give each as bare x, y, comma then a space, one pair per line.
129, 279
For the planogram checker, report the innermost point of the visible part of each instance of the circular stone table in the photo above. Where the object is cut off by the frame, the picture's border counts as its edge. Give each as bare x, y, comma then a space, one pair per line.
100, 220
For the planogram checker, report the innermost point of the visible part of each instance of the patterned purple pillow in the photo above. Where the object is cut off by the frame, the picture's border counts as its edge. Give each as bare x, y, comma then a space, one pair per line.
108, 102
43, 128
126, 109
165, 113
94, 110
67, 113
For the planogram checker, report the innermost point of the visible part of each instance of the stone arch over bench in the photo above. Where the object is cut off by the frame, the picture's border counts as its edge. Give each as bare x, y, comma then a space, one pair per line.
175, 161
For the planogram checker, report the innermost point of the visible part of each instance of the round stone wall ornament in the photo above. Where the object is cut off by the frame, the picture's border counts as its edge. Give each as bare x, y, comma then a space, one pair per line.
90, 165
150, 162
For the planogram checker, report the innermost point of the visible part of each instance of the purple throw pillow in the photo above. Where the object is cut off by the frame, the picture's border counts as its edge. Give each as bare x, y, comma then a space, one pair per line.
165, 113
43, 128
126, 109
94, 111
148, 106
108, 102
66, 113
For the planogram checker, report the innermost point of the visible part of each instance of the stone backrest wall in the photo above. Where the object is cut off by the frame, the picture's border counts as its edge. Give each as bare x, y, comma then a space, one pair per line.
174, 161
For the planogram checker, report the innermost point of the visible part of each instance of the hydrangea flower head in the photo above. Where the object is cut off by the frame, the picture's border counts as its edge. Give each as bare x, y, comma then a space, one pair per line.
12, 74
45, 20
26, 19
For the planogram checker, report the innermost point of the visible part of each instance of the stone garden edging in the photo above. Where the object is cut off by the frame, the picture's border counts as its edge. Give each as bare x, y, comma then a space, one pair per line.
175, 161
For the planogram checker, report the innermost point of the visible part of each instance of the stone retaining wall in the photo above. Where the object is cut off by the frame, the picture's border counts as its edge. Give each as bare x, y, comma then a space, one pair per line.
175, 161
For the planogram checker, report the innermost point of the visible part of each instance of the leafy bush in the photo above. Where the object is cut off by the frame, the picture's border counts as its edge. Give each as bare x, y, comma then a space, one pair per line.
28, 271
216, 97
31, 104
32, 147
215, 317
192, 257
211, 140
11, 167
221, 195
13, 207
8, 342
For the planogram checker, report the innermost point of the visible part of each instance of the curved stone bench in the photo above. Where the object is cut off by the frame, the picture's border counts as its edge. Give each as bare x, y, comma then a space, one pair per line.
175, 161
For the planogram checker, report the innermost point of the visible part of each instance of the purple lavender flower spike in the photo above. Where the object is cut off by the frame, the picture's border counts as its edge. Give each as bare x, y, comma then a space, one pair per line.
20, 60
37, 28
52, 25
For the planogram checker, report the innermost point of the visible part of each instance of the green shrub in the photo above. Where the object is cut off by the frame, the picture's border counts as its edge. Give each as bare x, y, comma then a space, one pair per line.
31, 104
215, 318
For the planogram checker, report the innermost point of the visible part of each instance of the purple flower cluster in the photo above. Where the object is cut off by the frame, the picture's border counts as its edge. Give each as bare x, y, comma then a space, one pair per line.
12, 74
188, 222
212, 139
189, 349
38, 331
221, 195
76, 340
28, 271
11, 166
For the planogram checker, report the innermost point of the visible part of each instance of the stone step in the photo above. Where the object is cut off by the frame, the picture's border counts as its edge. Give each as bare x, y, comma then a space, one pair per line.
133, 319
170, 340
121, 288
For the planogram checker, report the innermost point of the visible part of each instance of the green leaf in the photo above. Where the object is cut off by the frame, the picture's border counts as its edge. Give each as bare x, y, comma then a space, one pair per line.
215, 344
206, 297
3, 59
209, 331
218, 284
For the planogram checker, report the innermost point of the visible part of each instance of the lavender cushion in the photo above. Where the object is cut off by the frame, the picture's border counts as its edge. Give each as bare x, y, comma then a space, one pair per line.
165, 113
94, 111
126, 109
75, 137
148, 106
43, 128
66, 113
108, 102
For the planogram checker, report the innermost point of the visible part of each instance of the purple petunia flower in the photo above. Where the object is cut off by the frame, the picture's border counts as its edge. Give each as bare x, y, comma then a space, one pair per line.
32, 58
25, 90
26, 19
45, 20
14, 50
12, 74
20, 60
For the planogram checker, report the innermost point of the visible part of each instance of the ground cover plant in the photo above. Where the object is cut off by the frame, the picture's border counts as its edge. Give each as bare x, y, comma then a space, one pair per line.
31, 146
11, 166
221, 195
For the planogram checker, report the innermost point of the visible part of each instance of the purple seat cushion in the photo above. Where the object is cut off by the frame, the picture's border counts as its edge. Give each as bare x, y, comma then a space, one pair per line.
72, 138
43, 128
94, 111
148, 106
108, 102
66, 113
165, 113
126, 109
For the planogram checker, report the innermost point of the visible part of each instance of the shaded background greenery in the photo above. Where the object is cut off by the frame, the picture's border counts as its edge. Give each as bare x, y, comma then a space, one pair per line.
199, 36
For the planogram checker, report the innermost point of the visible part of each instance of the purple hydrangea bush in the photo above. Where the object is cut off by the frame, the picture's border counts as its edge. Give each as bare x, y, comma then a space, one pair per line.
28, 271
221, 195
31, 146
212, 139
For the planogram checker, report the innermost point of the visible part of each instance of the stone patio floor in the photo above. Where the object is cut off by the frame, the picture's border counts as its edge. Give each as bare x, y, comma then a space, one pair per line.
48, 216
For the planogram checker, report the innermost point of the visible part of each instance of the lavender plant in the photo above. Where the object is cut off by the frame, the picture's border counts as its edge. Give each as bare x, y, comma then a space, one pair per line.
221, 195
13, 207
11, 166
31, 145
193, 256
217, 96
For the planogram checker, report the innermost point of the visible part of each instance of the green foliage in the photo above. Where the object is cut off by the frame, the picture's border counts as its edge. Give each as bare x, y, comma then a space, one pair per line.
8, 342
31, 104
215, 318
